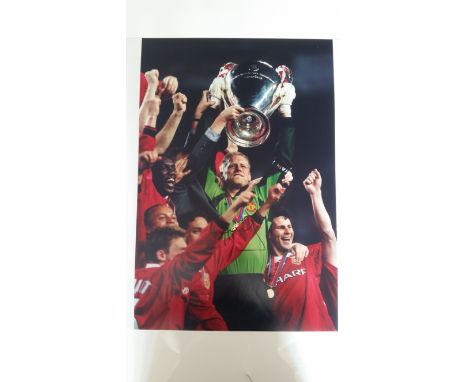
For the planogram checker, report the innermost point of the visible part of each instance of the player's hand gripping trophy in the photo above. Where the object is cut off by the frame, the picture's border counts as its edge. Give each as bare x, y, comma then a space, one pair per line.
258, 88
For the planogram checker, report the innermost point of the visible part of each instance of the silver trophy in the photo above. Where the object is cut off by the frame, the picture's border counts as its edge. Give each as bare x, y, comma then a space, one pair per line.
254, 86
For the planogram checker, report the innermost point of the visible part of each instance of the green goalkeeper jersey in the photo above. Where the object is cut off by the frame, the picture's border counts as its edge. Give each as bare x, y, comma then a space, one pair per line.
253, 258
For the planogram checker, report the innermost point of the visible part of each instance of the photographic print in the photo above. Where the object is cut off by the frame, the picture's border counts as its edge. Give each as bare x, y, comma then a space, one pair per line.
236, 213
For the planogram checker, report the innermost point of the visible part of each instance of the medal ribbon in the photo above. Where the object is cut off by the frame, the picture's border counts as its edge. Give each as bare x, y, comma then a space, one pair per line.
278, 270
239, 213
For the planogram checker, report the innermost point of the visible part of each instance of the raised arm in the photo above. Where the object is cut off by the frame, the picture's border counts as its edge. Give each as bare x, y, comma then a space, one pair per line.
199, 251
166, 134
149, 108
222, 119
208, 107
313, 184
203, 104
167, 87
285, 145
284, 150
230, 248
204, 150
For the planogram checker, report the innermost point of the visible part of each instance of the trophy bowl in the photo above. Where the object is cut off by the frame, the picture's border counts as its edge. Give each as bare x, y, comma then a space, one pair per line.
251, 85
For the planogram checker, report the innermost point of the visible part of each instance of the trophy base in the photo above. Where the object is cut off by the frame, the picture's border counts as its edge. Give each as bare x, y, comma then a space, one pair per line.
250, 129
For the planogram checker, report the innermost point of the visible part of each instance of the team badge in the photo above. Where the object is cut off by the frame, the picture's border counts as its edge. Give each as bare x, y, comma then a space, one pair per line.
185, 290
251, 207
295, 260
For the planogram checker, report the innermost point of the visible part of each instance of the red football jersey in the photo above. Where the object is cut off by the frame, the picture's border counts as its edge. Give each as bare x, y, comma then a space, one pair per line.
201, 306
298, 302
148, 196
162, 292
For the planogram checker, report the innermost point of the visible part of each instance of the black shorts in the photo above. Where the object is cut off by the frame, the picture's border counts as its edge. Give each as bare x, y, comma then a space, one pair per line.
243, 302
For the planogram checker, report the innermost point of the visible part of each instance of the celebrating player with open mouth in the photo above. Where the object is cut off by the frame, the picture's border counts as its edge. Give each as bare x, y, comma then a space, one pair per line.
303, 293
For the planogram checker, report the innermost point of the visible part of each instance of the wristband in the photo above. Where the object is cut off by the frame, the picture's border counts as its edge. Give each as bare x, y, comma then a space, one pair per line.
148, 130
221, 223
257, 217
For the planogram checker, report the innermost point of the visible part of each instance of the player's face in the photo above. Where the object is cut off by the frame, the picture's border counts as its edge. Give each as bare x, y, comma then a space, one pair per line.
238, 172
281, 234
195, 227
162, 216
166, 172
176, 247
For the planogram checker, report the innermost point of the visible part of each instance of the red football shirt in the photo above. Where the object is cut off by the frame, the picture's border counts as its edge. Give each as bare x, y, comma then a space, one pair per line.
162, 292
148, 196
298, 303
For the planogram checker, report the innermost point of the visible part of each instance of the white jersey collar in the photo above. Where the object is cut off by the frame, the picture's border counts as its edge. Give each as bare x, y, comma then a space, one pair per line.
153, 265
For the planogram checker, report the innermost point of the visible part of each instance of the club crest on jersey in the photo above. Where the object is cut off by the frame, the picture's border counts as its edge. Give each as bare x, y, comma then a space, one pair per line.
185, 291
295, 260
251, 207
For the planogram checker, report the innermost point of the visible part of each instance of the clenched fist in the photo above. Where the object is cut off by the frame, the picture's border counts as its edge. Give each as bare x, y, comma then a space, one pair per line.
180, 102
152, 76
167, 87
313, 182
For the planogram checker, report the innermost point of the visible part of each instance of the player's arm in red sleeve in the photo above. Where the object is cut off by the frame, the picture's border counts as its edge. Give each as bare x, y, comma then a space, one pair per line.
202, 310
230, 248
226, 251
184, 266
167, 278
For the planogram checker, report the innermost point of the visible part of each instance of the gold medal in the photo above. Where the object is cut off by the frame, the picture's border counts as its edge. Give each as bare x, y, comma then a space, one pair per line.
272, 281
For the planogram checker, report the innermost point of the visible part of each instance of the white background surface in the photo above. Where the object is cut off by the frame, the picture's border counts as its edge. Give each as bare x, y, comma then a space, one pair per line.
66, 205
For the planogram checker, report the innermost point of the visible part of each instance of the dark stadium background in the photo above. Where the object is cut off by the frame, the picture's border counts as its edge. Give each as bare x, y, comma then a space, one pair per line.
195, 62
